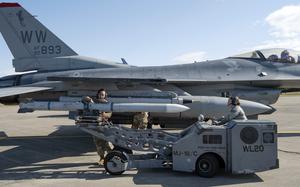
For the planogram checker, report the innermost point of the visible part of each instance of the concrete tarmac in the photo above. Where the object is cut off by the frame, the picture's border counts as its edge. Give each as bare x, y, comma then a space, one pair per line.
46, 149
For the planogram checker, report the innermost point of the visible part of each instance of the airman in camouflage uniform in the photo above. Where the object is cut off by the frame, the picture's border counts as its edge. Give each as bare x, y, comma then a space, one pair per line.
236, 111
102, 146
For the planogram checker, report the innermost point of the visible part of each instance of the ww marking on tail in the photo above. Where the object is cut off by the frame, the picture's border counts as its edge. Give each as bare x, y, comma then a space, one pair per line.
40, 36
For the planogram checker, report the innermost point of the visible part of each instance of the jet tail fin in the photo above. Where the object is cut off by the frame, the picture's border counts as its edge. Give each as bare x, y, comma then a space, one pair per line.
26, 37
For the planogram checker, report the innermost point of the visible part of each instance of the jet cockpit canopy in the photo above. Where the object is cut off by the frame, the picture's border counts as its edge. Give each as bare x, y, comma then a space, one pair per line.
280, 55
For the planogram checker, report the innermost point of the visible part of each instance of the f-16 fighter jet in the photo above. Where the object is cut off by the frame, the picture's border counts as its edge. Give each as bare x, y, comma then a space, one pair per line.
58, 73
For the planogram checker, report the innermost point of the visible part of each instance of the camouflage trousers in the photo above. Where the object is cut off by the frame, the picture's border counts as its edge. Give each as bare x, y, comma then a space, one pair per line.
138, 125
102, 147
140, 120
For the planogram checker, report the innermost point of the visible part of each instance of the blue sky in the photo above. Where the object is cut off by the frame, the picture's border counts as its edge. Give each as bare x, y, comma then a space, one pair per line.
156, 32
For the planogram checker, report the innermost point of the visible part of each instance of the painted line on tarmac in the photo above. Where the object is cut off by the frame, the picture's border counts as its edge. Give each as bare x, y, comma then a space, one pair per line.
288, 132
292, 152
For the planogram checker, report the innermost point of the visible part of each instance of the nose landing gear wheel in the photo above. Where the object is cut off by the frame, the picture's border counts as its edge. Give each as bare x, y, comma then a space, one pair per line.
115, 163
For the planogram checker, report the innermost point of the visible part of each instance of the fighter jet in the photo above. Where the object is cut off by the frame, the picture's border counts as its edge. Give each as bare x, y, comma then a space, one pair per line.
61, 74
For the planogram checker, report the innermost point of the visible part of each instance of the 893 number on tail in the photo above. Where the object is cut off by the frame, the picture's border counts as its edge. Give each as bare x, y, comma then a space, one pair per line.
45, 50
51, 49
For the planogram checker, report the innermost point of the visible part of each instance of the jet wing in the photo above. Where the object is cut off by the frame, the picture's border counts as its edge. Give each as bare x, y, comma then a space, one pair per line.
17, 90
272, 83
109, 80
277, 82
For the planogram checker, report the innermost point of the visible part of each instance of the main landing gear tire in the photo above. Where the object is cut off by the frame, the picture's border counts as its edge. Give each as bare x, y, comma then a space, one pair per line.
115, 163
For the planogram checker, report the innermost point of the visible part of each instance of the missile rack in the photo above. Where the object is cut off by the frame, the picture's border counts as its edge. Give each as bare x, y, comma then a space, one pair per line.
157, 144
200, 148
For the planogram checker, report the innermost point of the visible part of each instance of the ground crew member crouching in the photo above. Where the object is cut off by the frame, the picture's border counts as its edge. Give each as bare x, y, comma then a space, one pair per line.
140, 120
236, 111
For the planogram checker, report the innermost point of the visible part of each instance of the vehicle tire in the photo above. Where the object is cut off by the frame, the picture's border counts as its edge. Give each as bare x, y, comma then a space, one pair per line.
115, 163
207, 165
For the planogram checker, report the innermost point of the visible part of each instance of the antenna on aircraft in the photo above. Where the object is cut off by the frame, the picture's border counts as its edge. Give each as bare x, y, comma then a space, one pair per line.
124, 61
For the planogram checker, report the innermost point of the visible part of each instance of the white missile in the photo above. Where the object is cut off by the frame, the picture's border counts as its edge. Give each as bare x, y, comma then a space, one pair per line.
209, 106
216, 107
173, 100
103, 107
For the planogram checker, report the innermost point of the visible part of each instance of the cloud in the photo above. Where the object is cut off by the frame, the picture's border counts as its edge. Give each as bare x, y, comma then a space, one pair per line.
190, 57
284, 28
285, 22
280, 43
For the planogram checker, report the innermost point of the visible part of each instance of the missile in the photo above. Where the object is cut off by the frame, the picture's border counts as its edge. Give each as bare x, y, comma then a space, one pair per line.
103, 107
216, 107
171, 100
209, 106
